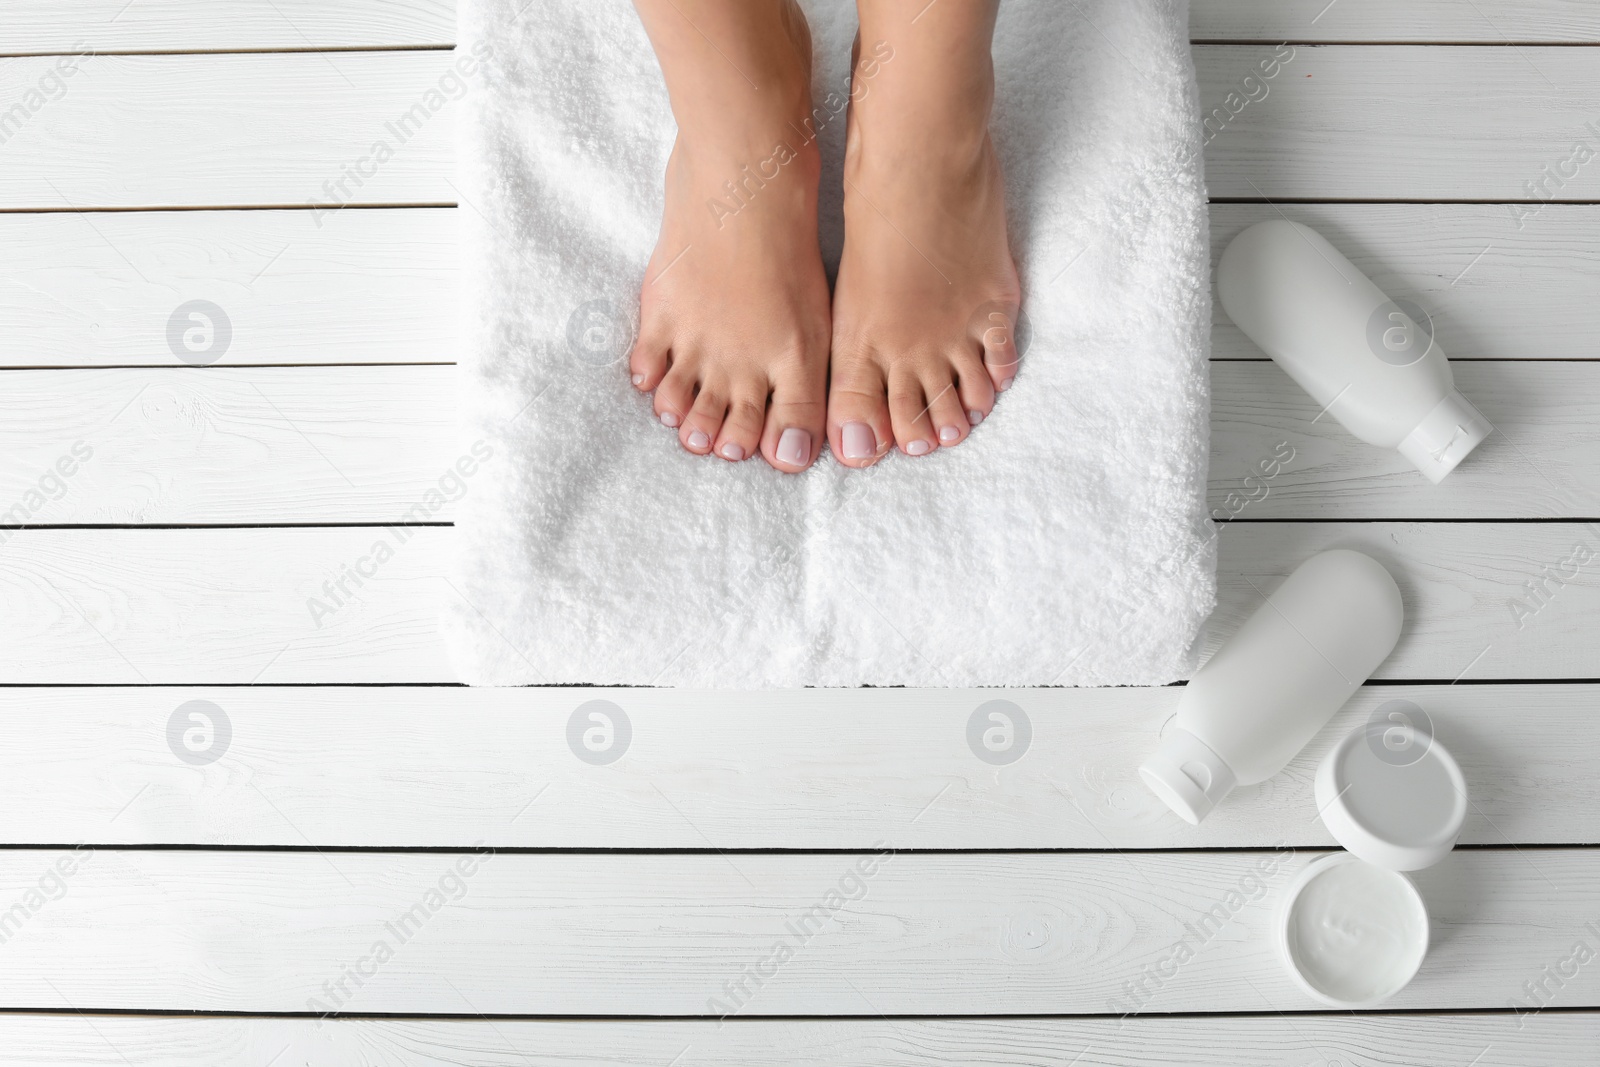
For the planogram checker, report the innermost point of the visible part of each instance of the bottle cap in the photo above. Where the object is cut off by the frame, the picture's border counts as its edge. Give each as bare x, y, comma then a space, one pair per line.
1444, 436
1393, 796
1186, 774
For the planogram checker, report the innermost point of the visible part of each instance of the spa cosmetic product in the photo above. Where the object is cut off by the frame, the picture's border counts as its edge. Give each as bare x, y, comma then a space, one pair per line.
1352, 929
1276, 682
1365, 357
1350, 933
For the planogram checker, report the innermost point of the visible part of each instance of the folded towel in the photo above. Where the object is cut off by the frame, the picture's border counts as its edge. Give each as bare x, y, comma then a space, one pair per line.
1066, 542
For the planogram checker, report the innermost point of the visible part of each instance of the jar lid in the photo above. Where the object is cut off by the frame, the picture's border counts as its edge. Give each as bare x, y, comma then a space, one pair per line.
1391, 793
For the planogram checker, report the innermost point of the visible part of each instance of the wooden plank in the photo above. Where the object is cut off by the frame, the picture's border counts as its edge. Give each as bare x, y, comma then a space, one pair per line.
380, 286
180, 25
365, 444
223, 605
226, 445
1547, 1040
674, 934
1403, 122
448, 767
97, 290
1473, 599
1355, 21
274, 129
1493, 289
264, 605
1543, 461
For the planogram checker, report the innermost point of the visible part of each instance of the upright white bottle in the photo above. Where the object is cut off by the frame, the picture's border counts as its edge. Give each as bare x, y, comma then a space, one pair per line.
1276, 682
1377, 370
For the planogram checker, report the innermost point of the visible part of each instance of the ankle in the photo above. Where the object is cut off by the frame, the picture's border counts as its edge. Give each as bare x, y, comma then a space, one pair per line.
739, 93
739, 122
917, 143
935, 116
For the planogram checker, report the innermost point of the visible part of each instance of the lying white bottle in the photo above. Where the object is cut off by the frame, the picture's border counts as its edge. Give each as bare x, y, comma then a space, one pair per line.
1379, 372
1276, 682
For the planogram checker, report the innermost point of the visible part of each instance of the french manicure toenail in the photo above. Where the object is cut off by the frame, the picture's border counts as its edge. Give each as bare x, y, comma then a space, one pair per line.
699, 440
638, 379
917, 448
732, 451
974, 416
859, 442
669, 419
1006, 384
794, 447
948, 435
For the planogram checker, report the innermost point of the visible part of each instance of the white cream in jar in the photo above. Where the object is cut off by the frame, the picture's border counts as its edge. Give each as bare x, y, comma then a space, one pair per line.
1354, 934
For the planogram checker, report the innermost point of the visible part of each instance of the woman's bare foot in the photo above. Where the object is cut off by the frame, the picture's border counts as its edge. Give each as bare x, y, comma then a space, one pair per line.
734, 317
927, 296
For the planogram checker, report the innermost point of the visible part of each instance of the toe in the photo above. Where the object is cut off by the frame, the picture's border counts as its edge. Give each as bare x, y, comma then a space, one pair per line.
998, 337
704, 421
949, 417
974, 385
908, 411
648, 362
859, 430
675, 395
741, 428
793, 433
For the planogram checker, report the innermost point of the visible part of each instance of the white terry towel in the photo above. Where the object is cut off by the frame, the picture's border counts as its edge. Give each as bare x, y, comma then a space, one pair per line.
1065, 542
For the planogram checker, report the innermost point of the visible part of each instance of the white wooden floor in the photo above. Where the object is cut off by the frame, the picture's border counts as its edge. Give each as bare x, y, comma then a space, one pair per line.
165, 515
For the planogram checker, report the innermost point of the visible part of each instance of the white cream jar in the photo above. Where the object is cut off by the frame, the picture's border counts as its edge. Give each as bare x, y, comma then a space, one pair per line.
1352, 929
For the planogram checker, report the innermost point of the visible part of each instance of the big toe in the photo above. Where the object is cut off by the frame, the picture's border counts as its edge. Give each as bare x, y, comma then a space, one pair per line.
648, 361
792, 437
859, 430
1003, 336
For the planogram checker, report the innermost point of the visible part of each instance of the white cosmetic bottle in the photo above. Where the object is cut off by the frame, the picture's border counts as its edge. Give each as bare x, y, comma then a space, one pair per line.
1378, 371
1275, 683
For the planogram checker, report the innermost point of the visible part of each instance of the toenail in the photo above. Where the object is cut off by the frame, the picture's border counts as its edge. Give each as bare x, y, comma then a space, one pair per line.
699, 440
638, 379
917, 448
859, 441
794, 447
669, 419
732, 451
974, 416
949, 435
1006, 384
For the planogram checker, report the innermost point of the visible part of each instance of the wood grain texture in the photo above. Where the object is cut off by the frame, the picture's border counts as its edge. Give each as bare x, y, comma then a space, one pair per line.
1543, 461
177, 25
1404, 122
867, 933
1435, 123
366, 444
807, 769
1354, 21
101, 289
188, 130
225, 606
1470, 613
1493, 289
262, 444
1545, 1040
